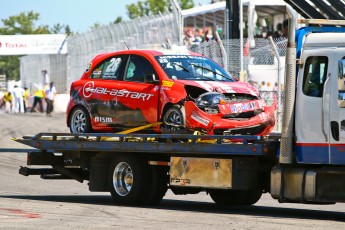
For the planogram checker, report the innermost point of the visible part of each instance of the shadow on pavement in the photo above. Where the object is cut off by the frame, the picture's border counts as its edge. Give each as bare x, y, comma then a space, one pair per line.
197, 206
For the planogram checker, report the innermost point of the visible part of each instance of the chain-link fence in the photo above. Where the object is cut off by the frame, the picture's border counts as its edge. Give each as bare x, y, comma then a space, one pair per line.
263, 64
146, 32
31, 68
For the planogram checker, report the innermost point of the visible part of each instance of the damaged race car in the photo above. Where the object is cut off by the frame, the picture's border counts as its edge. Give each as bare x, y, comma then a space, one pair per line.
184, 91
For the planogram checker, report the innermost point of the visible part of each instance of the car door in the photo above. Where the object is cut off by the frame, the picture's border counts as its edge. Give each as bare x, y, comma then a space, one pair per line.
102, 91
138, 101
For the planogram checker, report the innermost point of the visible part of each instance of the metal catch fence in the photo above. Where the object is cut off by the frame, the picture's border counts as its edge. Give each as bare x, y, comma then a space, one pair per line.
146, 32
263, 64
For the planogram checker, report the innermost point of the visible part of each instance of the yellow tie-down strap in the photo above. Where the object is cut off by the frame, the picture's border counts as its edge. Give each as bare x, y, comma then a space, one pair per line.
199, 140
128, 131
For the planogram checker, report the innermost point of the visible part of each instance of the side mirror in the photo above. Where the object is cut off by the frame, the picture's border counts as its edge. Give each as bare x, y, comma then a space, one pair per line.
341, 69
151, 78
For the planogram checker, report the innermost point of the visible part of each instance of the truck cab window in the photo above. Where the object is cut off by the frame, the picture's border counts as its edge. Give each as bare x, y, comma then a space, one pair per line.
341, 84
315, 73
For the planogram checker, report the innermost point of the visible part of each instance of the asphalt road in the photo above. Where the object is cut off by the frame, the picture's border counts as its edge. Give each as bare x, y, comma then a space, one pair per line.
33, 203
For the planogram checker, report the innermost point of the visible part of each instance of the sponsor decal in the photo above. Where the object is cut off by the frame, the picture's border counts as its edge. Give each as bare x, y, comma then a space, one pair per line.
89, 88
166, 58
218, 86
89, 67
104, 119
87, 92
199, 119
239, 108
180, 181
167, 83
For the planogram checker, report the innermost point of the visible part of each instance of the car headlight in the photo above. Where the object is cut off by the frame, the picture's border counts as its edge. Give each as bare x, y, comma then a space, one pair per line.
210, 100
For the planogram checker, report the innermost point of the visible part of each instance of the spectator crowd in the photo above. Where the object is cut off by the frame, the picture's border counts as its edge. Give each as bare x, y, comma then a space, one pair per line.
19, 100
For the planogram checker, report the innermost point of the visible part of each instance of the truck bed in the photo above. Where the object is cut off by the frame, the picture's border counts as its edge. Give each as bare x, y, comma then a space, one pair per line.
172, 144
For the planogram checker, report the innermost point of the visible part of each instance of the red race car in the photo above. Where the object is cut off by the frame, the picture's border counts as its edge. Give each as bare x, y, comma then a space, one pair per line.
183, 90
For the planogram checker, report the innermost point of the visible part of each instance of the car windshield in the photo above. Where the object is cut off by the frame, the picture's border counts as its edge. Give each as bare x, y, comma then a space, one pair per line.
187, 67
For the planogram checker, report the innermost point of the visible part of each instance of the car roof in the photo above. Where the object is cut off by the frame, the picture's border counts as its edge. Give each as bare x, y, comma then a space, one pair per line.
149, 52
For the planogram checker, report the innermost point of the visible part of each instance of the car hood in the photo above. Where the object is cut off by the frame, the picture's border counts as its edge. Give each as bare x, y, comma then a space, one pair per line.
223, 87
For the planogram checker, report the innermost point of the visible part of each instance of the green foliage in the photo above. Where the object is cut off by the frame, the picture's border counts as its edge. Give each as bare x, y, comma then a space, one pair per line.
9, 66
186, 4
60, 29
95, 25
23, 24
118, 20
153, 7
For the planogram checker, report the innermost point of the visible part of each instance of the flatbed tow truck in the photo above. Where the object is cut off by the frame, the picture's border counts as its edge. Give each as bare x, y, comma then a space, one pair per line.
305, 164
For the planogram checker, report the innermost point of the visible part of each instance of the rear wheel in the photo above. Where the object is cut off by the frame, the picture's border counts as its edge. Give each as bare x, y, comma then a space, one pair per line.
235, 197
253, 196
174, 119
80, 121
159, 185
129, 180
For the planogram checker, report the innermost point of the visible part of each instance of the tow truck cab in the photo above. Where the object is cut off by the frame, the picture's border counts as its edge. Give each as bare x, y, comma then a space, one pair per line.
315, 170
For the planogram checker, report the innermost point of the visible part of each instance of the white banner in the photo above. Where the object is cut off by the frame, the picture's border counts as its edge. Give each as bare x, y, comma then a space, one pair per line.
33, 44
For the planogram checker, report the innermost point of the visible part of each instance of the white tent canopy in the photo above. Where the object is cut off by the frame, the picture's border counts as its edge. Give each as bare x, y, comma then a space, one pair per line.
215, 14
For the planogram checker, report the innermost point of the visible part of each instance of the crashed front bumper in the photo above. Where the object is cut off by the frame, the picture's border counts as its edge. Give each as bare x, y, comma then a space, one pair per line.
221, 124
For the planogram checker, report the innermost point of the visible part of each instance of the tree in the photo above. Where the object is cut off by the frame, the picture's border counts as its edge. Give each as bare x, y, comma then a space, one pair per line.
56, 29
24, 23
118, 20
95, 25
68, 31
153, 7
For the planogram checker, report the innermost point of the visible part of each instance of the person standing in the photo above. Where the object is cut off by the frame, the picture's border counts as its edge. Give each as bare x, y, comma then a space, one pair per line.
45, 77
25, 98
50, 92
38, 96
18, 94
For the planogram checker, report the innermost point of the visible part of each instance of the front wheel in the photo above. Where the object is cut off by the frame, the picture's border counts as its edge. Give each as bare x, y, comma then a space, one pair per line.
174, 120
80, 121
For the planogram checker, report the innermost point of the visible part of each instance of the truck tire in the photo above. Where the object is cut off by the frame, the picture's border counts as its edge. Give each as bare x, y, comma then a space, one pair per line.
129, 179
79, 121
159, 187
229, 197
252, 196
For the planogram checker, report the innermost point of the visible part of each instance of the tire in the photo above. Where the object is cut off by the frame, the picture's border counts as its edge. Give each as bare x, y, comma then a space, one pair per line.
159, 187
174, 120
79, 121
129, 180
252, 196
230, 197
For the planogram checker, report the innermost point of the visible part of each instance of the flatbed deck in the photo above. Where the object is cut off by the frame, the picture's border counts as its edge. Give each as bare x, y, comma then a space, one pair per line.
153, 143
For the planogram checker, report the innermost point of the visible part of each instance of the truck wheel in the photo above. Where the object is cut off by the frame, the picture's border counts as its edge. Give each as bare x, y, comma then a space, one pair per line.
80, 121
252, 196
159, 185
174, 120
228, 197
129, 180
